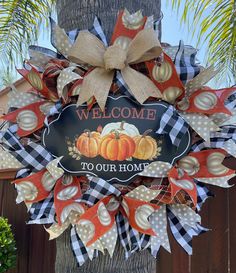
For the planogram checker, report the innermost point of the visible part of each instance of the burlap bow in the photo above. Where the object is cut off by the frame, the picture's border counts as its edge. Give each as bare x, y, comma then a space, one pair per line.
88, 49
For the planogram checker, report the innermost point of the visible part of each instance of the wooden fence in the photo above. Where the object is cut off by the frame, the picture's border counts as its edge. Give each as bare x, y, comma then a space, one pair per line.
213, 252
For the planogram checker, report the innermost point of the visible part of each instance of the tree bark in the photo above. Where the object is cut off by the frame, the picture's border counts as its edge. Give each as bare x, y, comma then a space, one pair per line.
80, 14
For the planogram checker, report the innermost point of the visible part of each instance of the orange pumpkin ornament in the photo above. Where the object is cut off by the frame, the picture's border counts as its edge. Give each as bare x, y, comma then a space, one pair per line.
146, 147
117, 146
88, 143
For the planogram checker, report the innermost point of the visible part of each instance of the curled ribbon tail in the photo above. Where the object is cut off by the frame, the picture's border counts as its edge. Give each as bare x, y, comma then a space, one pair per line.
97, 83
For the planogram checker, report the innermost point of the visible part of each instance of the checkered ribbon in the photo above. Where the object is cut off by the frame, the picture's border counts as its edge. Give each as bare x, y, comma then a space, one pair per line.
79, 250
173, 125
43, 212
183, 233
96, 30
217, 139
98, 189
230, 102
129, 237
33, 156
184, 58
202, 194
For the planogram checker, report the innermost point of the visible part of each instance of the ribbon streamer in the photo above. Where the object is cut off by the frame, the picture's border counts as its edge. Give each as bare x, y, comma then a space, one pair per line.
159, 224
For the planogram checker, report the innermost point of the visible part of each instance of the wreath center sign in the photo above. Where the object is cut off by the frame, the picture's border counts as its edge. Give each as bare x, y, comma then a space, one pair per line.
115, 144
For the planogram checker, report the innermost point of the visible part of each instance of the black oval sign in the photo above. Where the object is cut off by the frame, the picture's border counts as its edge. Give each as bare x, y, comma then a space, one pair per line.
115, 144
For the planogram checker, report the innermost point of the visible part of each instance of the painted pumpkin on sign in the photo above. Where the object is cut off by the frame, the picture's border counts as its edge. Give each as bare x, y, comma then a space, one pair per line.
88, 143
117, 146
146, 147
122, 127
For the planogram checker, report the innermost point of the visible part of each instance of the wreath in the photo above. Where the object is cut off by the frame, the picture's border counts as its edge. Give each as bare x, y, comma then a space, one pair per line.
116, 142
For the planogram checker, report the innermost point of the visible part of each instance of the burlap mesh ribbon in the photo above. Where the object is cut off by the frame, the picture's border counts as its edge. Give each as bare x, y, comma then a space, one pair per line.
88, 49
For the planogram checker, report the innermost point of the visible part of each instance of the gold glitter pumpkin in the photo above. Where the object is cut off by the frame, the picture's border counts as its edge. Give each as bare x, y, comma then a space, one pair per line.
163, 72
170, 94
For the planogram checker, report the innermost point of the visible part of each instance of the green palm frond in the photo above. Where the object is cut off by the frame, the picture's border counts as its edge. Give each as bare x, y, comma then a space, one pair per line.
19, 26
216, 21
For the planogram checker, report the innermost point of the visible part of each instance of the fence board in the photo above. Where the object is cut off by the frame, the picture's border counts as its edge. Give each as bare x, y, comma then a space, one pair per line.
218, 222
200, 258
35, 253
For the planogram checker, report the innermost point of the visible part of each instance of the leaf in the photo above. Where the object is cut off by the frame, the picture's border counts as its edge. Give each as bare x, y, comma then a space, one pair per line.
19, 25
217, 27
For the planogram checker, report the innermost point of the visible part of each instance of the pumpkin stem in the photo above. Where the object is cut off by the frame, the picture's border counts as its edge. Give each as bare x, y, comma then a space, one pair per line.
122, 125
117, 134
88, 132
146, 132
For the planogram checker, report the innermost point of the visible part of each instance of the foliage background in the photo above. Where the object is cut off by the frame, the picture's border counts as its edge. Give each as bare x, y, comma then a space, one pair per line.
7, 246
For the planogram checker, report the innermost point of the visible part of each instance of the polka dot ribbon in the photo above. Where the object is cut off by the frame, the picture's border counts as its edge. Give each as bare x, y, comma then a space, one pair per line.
98, 220
205, 166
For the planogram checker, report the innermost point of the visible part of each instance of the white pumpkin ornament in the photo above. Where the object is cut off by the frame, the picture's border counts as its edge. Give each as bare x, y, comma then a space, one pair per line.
205, 100
122, 127
68, 209
214, 164
26, 191
184, 184
103, 215
67, 193
189, 164
27, 120
163, 72
48, 181
86, 230
141, 216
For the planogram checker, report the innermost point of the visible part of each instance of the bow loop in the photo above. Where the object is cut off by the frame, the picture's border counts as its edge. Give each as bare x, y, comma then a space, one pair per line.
144, 47
87, 49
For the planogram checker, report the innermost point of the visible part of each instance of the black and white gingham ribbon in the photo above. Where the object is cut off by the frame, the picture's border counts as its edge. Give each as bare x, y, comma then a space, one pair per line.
184, 58
43, 212
217, 139
33, 156
230, 102
202, 194
183, 233
98, 189
79, 250
129, 238
173, 125
95, 30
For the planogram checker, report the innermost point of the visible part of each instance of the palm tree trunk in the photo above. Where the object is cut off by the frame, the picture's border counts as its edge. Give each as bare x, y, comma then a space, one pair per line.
80, 13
